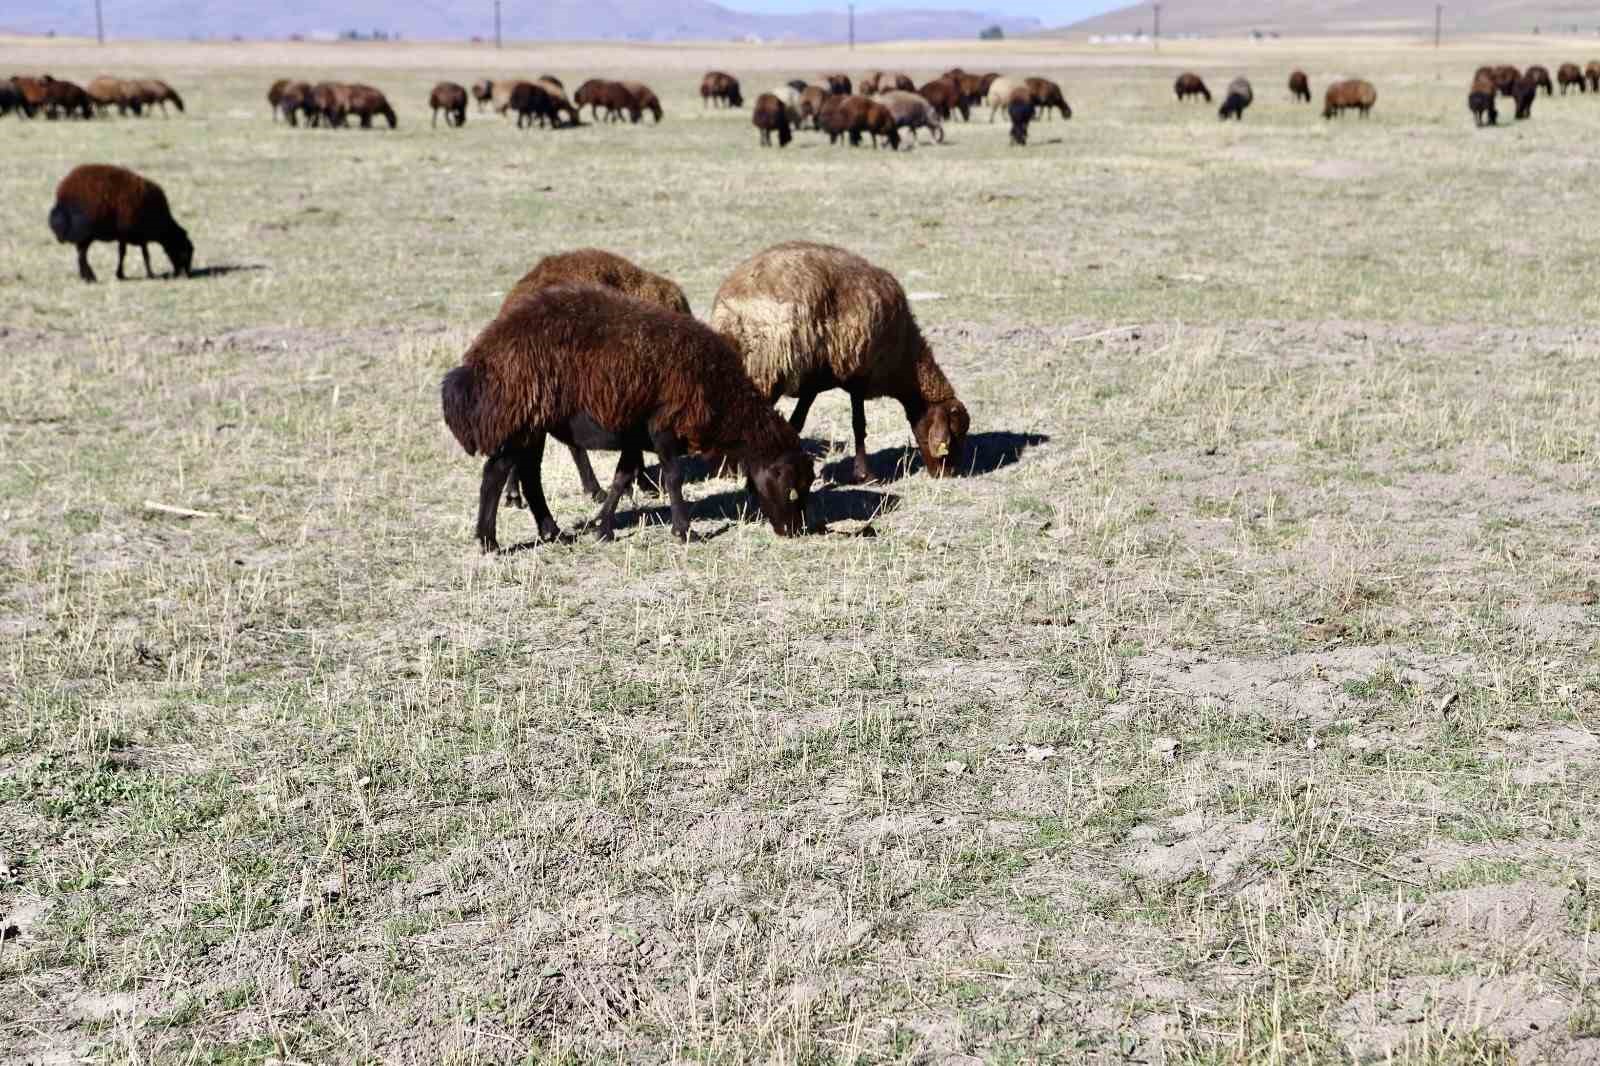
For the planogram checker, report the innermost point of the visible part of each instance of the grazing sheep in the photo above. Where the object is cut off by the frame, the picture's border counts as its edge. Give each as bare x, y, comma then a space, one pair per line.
811, 317
1592, 71
1021, 109
34, 92
833, 120
868, 85
945, 96
599, 369
298, 99
325, 106
597, 93
364, 102
811, 101
106, 93
1300, 86
912, 112
719, 89
592, 266
1506, 78
155, 92
878, 121
1240, 96
531, 104
483, 92
1481, 103
998, 96
1047, 94
644, 99
105, 203
771, 113
559, 103
1344, 95
1189, 84
855, 115
275, 95
63, 99
1570, 74
10, 99
838, 83
1541, 79
970, 87
1524, 92
450, 98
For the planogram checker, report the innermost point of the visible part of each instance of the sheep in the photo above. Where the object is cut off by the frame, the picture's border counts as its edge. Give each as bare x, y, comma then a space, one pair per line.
597, 93
771, 113
969, 87
868, 85
720, 90
790, 97
558, 100
600, 369
1047, 94
1571, 74
1541, 79
945, 96
1591, 71
275, 95
855, 115
10, 99
811, 101
1480, 100
106, 203
912, 112
325, 105
878, 121
63, 99
450, 98
364, 101
644, 99
298, 99
833, 120
1343, 95
1300, 86
106, 93
483, 92
592, 266
155, 92
553, 80
808, 317
838, 83
891, 82
1189, 84
1240, 96
998, 96
1506, 78
531, 104
34, 92
1524, 92
1021, 108
985, 83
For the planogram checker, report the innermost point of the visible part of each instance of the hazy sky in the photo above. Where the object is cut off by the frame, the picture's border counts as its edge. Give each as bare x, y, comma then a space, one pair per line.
1051, 12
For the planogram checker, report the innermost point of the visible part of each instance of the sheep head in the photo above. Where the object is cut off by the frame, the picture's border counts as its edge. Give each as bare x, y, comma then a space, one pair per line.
783, 488
941, 434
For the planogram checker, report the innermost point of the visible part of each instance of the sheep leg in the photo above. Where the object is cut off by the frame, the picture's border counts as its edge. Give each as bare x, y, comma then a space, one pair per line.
628, 466
530, 460
122, 250
496, 470
672, 473
591, 485
858, 423
84, 271
144, 250
802, 408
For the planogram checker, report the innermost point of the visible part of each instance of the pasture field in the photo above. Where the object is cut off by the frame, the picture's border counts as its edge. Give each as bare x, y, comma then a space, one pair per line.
1240, 706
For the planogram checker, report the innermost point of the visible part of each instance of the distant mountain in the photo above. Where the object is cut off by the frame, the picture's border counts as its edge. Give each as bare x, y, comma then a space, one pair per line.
1323, 17
638, 20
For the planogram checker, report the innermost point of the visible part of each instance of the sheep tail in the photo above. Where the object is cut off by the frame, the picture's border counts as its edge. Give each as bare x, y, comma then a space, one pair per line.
458, 394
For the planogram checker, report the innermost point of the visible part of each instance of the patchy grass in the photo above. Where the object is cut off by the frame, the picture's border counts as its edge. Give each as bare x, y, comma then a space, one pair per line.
1239, 707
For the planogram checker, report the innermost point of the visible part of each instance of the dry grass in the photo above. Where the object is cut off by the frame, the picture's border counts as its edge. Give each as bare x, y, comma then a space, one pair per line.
1241, 707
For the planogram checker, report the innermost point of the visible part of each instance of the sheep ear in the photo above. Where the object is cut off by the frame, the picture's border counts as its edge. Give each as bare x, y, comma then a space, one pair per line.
794, 494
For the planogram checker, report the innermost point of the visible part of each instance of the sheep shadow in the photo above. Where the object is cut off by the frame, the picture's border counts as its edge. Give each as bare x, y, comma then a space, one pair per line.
733, 506
986, 453
222, 270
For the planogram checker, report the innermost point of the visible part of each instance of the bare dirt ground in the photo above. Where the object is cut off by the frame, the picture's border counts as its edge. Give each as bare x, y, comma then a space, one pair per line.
1240, 706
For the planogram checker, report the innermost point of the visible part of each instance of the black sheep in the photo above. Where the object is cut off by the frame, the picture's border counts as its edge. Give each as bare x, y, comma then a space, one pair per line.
105, 203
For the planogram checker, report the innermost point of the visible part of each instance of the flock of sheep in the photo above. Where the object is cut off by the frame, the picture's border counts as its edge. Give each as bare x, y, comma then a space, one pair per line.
55, 98
1490, 82
1347, 95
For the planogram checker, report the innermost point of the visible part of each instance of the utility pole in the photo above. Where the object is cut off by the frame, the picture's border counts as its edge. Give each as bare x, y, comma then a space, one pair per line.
1156, 36
1438, 23
99, 23
852, 26
497, 23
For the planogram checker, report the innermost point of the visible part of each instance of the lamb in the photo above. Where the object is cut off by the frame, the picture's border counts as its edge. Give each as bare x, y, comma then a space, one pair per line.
106, 203
483, 92
1571, 74
1541, 79
1344, 95
811, 100
1021, 109
606, 270
1240, 96
771, 113
719, 89
945, 95
602, 370
63, 99
1480, 101
1524, 92
644, 99
1300, 86
1591, 71
810, 317
913, 112
1047, 94
450, 98
1189, 84
597, 93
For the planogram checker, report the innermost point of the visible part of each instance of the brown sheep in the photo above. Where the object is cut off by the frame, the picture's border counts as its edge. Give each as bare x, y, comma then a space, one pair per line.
155, 92
558, 100
1344, 95
35, 93
878, 121
298, 99
1541, 79
833, 120
986, 82
891, 82
838, 83
1524, 92
105, 203
1020, 107
275, 95
1300, 86
483, 92
325, 105
1047, 94
868, 85
811, 317
592, 266
719, 89
364, 102
770, 114
1506, 78
450, 98
1480, 101
1189, 84
912, 112
1592, 72
812, 97
944, 96
644, 99
531, 104
63, 99
599, 369
106, 93
1571, 74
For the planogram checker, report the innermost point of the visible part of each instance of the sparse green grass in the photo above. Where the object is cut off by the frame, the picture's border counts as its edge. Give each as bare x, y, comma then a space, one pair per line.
1240, 709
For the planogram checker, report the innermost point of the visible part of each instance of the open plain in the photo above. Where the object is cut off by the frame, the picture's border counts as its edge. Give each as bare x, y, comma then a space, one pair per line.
1241, 704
